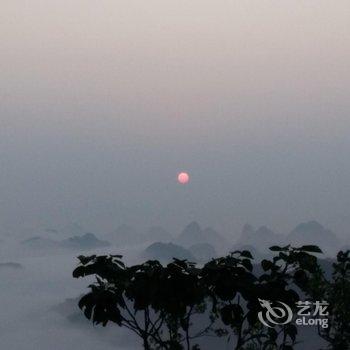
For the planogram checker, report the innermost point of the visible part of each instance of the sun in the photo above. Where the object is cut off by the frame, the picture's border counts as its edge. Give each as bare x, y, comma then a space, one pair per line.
183, 178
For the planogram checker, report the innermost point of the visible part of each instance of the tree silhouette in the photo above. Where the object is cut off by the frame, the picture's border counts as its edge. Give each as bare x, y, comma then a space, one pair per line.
338, 296
155, 302
159, 303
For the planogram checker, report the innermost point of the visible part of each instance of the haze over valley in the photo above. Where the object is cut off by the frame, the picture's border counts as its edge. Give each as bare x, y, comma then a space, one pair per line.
159, 130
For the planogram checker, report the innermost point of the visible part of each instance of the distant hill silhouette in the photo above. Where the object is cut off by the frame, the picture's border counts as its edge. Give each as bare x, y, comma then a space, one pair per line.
10, 266
157, 234
70, 310
313, 232
40, 243
165, 252
307, 233
86, 241
125, 235
203, 252
261, 239
72, 229
257, 254
193, 234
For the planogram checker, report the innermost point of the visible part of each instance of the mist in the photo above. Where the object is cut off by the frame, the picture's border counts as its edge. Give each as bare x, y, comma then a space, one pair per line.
103, 103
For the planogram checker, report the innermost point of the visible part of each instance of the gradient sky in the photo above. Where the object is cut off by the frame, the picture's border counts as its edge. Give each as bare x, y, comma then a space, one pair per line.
103, 102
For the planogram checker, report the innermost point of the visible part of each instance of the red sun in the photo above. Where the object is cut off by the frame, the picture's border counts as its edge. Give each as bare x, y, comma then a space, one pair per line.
183, 178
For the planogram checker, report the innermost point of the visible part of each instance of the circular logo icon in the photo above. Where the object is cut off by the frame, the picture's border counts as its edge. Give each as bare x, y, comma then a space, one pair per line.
273, 315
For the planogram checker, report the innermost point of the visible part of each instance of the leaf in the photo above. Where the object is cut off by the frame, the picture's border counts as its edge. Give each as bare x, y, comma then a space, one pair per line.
272, 334
86, 259
247, 264
266, 264
79, 272
311, 249
247, 254
232, 315
276, 248
292, 331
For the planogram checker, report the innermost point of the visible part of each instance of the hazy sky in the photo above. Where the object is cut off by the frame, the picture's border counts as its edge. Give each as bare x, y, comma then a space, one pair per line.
103, 102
